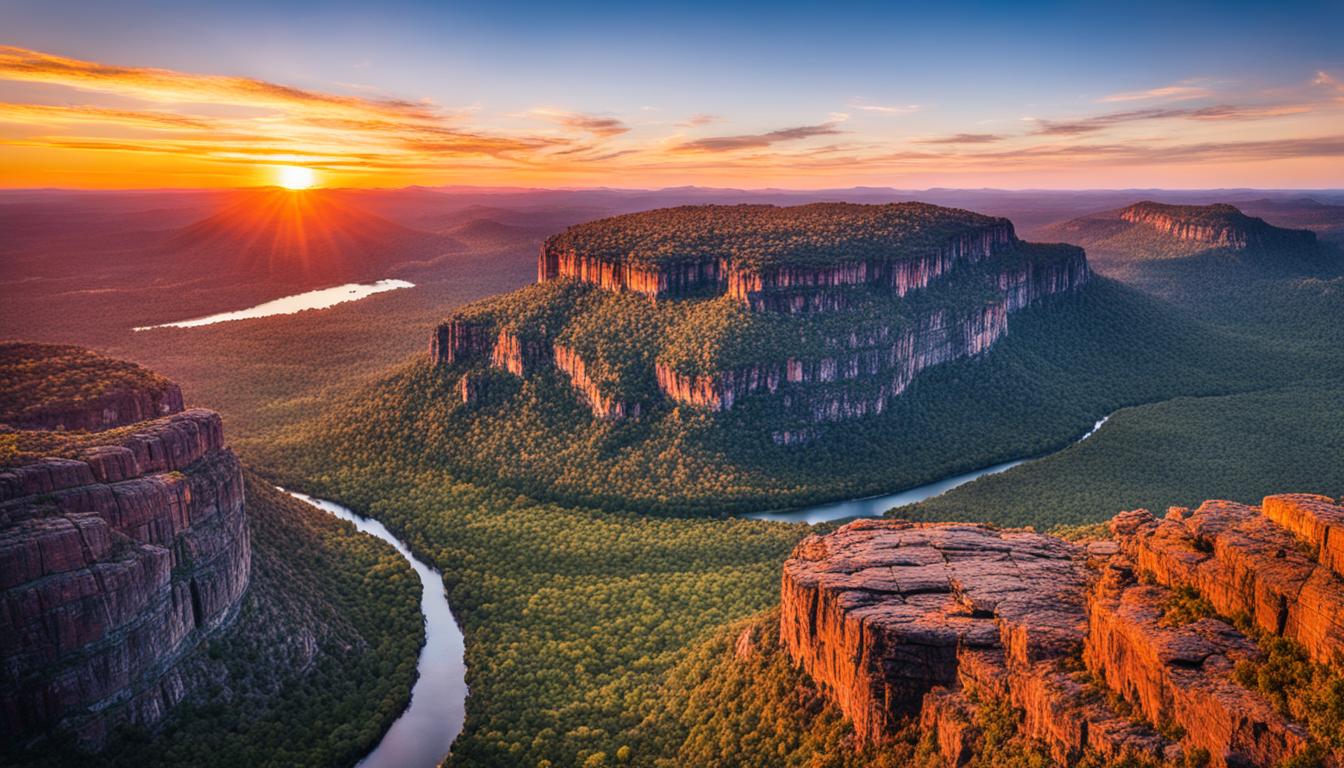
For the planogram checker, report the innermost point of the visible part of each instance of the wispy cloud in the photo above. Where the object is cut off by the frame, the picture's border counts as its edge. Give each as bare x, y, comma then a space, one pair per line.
757, 140
1178, 92
962, 138
598, 125
233, 120
1218, 112
886, 109
699, 119
1331, 84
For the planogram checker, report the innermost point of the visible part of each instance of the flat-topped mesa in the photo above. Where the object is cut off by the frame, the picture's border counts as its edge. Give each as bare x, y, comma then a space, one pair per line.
810, 306
1092, 646
792, 259
116, 561
1219, 226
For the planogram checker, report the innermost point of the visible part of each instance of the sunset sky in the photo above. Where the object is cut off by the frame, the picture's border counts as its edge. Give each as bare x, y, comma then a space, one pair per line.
1067, 95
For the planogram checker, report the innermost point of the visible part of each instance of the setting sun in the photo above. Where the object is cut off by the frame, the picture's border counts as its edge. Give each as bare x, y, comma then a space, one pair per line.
295, 176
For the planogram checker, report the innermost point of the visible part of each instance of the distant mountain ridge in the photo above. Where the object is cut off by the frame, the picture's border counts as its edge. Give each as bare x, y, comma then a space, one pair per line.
1149, 230
1218, 225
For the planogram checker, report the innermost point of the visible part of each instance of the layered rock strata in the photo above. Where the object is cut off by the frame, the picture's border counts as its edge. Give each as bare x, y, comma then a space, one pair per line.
1246, 563
891, 359
836, 379
1218, 226
114, 565
898, 620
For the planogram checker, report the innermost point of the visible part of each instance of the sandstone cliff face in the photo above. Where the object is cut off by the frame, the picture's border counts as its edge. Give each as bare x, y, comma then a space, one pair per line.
892, 357
114, 565
113, 409
1182, 675
855, 377
893, 361
1218, 226
898, 620
655, 281
783, 288
1246, 563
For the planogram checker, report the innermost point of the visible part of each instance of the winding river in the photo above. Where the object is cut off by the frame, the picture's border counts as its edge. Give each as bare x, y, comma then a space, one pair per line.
423, 735
874, 506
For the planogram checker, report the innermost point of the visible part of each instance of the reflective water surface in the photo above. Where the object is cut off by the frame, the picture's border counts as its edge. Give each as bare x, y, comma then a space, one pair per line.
424, 733
288, 305
874, 506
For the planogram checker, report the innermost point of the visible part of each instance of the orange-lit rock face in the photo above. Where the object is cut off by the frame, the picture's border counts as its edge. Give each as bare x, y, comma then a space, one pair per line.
1217, 226
112, 567
1182, 675
831, 265
1246, 563
897, 620
880, 612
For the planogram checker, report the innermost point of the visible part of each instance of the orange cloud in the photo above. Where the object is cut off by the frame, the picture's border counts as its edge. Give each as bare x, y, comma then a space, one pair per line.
1165, 93
151, 127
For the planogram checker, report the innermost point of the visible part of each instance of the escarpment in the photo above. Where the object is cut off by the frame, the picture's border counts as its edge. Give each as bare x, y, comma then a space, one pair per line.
826, 312
1217, 226
1118, 649
116, 560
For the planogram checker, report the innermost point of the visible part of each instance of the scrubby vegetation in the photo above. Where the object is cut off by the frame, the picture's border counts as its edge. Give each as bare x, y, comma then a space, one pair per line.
1308, 692
760, 235
40, 378
318, 664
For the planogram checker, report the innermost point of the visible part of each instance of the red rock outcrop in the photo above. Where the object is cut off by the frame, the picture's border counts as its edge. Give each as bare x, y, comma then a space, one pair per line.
1218, 226
898, 620
1245, 563
1182, 675
113, 566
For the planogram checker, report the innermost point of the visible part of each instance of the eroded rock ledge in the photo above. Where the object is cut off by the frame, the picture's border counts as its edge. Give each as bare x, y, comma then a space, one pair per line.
898, 620
114, 564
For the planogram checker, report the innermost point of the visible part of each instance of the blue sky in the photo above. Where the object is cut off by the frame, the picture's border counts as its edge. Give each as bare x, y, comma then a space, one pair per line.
887, 78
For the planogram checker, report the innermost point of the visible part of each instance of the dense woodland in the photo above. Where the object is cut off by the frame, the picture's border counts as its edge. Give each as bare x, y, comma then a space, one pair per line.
761, 235
37, 378
1280, 431
602, 603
